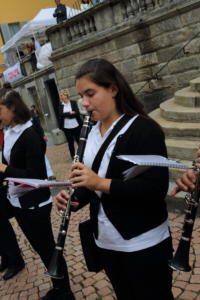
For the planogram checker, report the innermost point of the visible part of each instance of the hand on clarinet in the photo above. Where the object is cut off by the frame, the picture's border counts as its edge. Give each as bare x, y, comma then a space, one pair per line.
187, 181
61, 200
84, 176
197, 160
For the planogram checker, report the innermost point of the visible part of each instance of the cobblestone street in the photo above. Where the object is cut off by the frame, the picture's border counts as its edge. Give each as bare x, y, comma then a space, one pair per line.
31, 283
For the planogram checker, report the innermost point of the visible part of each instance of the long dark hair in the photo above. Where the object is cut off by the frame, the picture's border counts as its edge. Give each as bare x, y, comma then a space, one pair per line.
12, 100
103, 73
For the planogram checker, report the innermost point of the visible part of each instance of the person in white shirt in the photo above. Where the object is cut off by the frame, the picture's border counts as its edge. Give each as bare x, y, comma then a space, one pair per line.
36, 43
128, 217
85, 4
24, 157
69, 120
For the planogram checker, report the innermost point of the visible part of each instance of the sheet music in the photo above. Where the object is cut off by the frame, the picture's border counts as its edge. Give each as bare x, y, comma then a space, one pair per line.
152, 160
37, 183
26, 185
144, 162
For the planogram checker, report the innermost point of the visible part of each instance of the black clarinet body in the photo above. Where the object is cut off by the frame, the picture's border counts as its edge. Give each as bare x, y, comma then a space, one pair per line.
55, 269
180, 261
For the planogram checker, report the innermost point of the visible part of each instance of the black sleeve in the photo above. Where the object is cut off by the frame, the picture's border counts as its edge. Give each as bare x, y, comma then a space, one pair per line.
81, 195
76, 109
37, 126
67, 115
32, 152
152, 183
61, 11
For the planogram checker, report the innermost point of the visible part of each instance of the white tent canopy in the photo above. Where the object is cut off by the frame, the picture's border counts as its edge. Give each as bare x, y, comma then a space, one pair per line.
43, 19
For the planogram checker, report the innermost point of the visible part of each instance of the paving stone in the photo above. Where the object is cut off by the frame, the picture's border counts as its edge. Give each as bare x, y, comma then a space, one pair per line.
176, 291
31, 283
187, 295
88, 290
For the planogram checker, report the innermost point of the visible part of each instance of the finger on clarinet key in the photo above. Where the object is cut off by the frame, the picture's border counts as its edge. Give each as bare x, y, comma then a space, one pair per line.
175, 191
74, 206
77, 165
61, 200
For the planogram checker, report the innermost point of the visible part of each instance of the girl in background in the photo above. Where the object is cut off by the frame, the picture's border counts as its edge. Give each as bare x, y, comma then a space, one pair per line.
24, 157
69, 120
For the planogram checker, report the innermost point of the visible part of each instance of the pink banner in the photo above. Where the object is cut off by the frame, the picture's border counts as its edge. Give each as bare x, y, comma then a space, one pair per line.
13, 73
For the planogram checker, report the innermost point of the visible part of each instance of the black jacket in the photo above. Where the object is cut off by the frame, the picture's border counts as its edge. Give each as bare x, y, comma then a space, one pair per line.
27, 161
36, 124
63, 115
60, 13
138, 204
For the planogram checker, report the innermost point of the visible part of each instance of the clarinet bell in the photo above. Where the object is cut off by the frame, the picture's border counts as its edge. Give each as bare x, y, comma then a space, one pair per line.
55, 269
180, 261
179, 266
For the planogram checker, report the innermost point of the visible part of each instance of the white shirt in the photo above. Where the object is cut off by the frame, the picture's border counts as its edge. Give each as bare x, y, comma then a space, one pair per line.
11, 135
108, 237
37, 45
84, 6
69, 123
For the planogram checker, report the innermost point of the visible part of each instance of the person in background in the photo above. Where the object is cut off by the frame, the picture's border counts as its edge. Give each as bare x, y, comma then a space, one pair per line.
7, 86
1, 136
60, 12
94, 2
30, 48
82, 109
31, 51
23, 157
3, 265
85, 4
36, 123
36, 43
128, 217
35, 113
35, 117
20, 54
36, 51
69, 120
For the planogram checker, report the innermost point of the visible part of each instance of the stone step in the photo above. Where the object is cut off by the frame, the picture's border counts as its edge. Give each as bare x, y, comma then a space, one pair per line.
181, 149
177, 129
195, 84
187, 97
175, 203
172, 111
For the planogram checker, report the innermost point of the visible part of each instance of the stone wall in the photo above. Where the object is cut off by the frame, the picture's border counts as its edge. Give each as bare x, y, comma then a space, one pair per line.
34, 90
154, 43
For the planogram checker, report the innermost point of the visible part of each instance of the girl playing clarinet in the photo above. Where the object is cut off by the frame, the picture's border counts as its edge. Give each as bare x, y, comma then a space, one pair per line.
129, 217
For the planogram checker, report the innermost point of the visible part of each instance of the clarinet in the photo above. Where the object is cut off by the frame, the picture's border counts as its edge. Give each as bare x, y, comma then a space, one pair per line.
180, 261
55, 267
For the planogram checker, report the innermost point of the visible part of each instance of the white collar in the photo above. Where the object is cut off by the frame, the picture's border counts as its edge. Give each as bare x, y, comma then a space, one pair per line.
20, 127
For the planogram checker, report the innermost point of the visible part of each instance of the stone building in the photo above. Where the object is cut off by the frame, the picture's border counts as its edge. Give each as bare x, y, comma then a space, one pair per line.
154, 43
